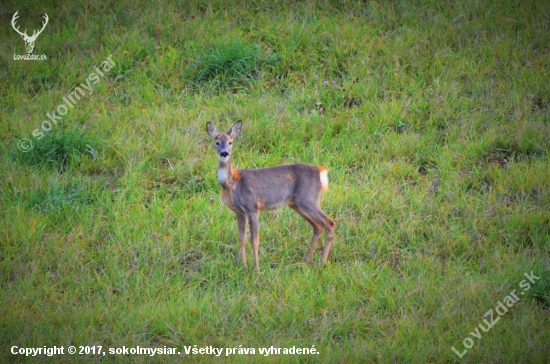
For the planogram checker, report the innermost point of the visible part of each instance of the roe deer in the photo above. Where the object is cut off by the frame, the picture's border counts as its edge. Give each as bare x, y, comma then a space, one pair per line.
248, 191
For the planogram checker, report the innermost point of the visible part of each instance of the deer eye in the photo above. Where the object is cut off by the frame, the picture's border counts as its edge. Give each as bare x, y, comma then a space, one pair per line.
230, 143
217, 143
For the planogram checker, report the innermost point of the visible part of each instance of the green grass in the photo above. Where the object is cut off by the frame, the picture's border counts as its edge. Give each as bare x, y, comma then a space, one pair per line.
433, 123
228, 65
56, 148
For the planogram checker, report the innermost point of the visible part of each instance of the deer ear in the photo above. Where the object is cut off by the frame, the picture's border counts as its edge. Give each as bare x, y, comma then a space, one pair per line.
211, 130
236, 129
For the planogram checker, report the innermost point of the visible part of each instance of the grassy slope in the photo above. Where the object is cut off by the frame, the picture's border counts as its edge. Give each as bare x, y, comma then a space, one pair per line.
436, 135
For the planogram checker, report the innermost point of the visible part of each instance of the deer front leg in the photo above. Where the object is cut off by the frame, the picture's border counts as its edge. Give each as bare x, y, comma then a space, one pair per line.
255, 237
241, 221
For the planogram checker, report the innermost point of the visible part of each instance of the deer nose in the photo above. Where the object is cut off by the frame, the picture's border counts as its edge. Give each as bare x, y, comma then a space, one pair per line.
224, 154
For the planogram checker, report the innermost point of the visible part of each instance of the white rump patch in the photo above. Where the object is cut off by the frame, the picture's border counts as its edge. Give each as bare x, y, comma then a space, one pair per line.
324, 180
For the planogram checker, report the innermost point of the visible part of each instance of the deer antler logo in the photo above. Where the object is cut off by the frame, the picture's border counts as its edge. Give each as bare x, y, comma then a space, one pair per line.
29, 41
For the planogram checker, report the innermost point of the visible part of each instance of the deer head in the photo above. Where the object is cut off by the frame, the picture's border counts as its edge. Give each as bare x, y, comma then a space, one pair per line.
29, 41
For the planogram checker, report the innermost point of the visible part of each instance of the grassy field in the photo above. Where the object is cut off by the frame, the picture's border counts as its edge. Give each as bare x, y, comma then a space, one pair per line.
432, 118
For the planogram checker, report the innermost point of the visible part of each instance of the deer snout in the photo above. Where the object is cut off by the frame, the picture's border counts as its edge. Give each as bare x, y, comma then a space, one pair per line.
224, 154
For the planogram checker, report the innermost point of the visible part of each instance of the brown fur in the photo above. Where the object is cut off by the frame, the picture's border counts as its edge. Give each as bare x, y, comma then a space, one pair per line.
248, 191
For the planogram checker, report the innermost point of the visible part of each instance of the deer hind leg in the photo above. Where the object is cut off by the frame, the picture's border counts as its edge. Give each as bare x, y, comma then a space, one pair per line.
317, 230
330, 226
255, 237
241, 221
317, 218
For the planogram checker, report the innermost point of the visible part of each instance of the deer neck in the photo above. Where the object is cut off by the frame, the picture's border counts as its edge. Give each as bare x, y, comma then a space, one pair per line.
225, 174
